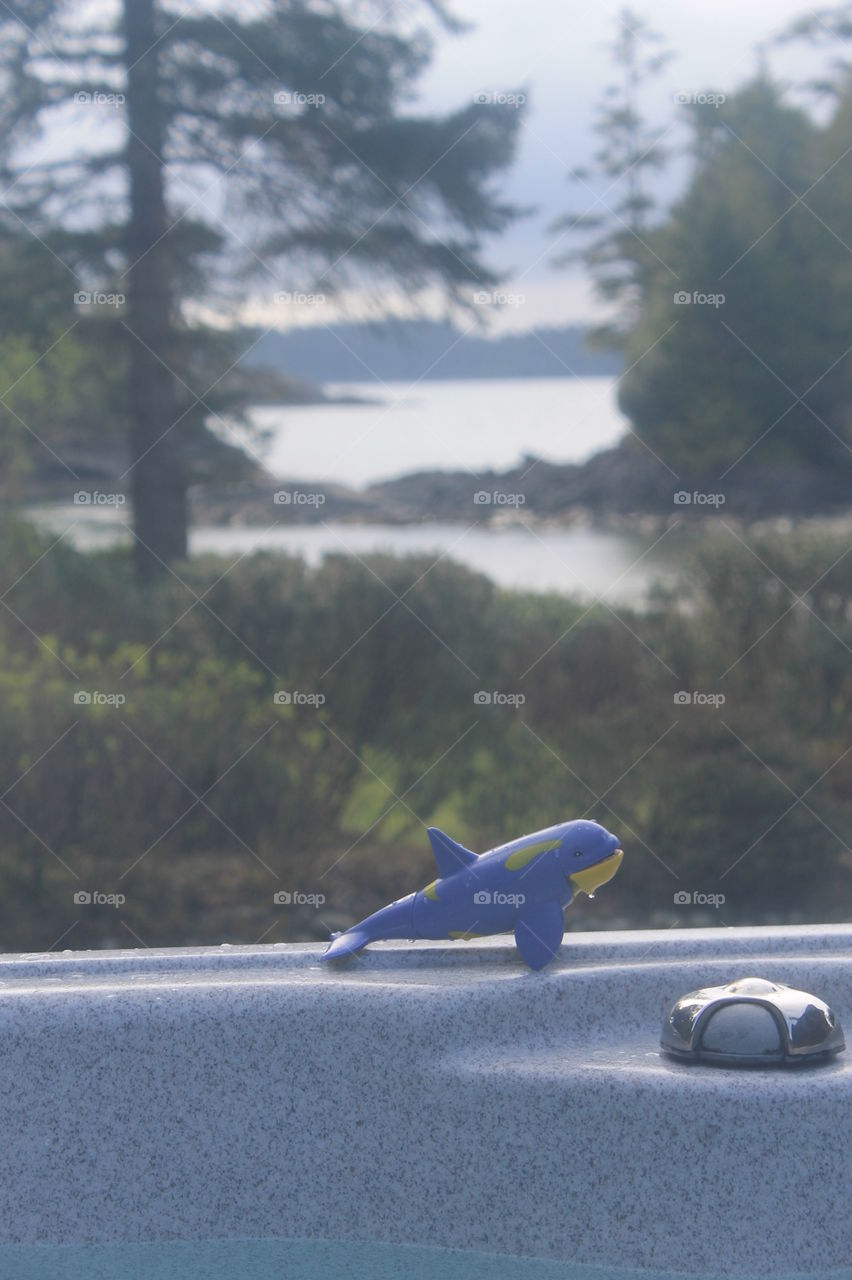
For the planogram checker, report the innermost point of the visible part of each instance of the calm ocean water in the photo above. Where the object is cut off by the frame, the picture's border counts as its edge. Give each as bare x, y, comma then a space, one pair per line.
580, 561
474, 425
441, 425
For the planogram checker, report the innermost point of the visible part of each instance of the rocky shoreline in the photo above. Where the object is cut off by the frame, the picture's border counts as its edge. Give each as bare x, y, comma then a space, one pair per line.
622, 487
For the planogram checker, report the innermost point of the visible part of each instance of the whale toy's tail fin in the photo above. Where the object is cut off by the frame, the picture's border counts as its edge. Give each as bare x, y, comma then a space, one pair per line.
346, 944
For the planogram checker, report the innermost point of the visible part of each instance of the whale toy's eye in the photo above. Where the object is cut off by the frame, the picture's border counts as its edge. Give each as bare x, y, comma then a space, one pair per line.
578, 853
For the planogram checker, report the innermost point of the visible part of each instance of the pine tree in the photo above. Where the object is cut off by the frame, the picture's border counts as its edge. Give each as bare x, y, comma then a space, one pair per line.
181, 158
744, 361
614, 232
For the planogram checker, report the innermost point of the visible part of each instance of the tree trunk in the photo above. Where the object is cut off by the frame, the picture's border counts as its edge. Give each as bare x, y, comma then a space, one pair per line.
156, 443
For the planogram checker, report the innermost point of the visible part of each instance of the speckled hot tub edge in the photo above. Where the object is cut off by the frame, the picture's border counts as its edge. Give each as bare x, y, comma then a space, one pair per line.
427, 1094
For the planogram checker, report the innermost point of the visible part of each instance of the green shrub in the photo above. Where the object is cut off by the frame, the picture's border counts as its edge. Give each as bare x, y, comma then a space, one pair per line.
199, 796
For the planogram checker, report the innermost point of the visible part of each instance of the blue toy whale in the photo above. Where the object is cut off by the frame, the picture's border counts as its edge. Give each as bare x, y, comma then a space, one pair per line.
522, 886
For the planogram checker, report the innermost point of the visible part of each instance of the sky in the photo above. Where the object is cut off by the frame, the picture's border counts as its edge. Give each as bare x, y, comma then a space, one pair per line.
554, 51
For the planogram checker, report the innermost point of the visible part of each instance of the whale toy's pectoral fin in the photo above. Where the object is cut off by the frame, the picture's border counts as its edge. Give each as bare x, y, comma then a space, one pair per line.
538, 933
345, 944
449, 854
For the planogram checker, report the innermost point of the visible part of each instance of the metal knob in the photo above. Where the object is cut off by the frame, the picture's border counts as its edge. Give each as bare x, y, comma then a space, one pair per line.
751, 1022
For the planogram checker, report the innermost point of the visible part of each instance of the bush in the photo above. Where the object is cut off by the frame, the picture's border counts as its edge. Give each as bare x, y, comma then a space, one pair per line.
187, 788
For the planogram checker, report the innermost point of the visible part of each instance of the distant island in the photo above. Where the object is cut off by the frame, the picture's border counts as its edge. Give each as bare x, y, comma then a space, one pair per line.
408, 350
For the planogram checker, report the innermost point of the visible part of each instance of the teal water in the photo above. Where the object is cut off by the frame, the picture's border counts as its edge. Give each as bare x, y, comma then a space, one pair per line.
296, 1260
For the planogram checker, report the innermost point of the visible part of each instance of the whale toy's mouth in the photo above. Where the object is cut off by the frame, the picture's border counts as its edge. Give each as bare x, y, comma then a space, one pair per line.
592, 878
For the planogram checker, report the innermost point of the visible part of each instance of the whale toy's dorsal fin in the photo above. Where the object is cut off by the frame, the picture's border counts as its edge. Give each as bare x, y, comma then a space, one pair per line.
449, 855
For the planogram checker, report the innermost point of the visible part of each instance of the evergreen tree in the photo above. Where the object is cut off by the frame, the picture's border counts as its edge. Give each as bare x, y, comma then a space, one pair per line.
745, 355
614, 232
181, 157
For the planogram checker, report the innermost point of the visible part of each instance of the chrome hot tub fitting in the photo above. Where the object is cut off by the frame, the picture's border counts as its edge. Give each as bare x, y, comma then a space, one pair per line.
751, 1022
